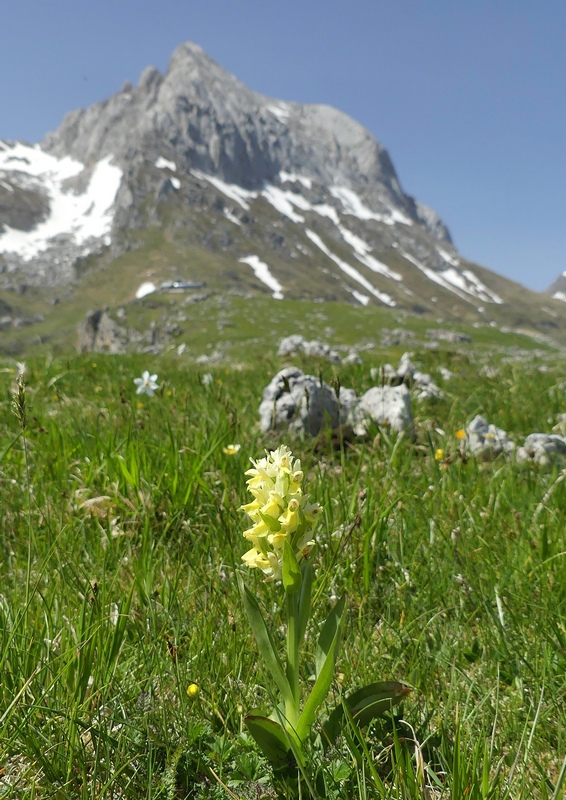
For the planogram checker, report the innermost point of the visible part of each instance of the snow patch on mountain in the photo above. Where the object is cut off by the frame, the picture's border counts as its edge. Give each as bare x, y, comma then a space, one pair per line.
362, 254
145, 289
363, 299
232, 217
460, 283
231, 190
263, 273
279, 110
283, 202
450, 259
482, 291
354, 205
291, 177
164, 163
79, 216
560, 295
349, 270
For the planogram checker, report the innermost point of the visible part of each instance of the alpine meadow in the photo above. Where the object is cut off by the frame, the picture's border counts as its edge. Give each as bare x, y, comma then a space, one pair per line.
130, 666
282, 473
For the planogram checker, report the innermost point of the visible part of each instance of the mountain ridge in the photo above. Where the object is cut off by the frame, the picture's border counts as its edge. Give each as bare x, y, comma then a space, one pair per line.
248, 193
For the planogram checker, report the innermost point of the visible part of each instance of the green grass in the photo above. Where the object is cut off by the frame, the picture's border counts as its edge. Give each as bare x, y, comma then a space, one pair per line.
121, 541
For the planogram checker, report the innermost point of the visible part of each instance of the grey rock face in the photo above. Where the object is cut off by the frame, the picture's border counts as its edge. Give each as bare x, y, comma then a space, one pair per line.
558, 288
387, 405
485, 440
201, 117
543, 448
298, 402
432, 222
100, 333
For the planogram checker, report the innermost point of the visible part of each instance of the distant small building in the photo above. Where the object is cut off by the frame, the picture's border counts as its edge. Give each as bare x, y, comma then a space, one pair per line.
179, 285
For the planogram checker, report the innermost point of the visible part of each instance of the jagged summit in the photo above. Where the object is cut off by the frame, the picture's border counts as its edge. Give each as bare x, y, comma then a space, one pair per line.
204, 118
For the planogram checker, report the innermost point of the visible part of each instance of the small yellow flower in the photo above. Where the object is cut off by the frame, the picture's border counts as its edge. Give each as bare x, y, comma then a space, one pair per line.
139, 405
439, 455
193, 691
461, 434
231, 449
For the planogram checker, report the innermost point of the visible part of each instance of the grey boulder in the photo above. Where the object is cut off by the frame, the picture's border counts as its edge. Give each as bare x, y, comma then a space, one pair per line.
485, 440
386, 405
298, 402
543, 448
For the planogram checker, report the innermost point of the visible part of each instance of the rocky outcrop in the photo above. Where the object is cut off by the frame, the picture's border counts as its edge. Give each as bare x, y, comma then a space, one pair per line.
305, 405
558, 288
300, 403
100, 333
201, 117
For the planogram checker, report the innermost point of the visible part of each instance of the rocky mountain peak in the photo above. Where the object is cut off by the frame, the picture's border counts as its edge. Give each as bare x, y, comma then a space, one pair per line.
233, 173
206, 119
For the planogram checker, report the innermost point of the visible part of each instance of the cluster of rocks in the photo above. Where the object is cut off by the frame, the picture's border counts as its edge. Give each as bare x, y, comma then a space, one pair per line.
407, 373
297, 345
486, 441
304, 404
101, 333
446, 335
7, 321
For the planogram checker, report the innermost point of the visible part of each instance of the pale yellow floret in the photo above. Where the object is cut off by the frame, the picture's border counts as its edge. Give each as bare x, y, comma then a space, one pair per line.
276, 485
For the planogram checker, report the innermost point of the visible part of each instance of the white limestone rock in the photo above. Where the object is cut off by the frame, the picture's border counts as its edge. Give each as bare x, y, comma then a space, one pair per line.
298, 402
426, 387
348, 400
386, 405
353, 357
544, 449
486, 441
445, 373
406, 368
297, 344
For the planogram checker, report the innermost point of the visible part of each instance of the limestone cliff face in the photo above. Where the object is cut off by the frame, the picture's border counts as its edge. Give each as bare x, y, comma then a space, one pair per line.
201, 117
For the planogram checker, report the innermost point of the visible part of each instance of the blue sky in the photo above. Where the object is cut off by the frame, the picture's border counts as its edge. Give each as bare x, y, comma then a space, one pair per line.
468, 96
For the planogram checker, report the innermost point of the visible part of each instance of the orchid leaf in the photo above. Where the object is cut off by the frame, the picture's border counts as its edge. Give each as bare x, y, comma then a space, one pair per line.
327, 649
265, 642
327, 636
273, 741
364, 705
